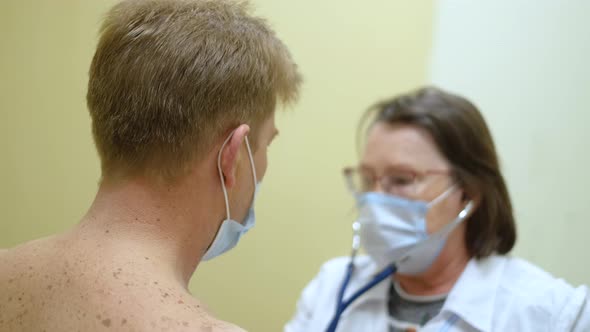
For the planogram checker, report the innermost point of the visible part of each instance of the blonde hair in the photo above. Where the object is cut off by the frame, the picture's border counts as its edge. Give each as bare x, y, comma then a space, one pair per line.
169, 77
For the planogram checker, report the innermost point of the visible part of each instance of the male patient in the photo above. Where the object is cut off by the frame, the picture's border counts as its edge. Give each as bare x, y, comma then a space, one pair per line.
182, 97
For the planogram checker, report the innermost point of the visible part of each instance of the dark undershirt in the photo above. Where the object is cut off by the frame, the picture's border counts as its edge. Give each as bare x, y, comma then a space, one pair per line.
413, 311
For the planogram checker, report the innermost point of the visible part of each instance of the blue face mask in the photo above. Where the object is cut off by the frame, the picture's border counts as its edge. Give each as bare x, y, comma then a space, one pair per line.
393, 230
231, 231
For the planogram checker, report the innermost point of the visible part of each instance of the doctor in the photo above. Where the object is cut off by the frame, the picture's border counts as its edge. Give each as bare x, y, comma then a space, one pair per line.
436, 221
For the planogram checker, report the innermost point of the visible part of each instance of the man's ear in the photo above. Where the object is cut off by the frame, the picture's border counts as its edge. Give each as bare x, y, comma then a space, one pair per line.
230, 154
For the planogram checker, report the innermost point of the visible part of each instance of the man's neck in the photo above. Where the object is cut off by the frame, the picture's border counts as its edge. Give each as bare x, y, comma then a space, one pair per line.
169, 223
443, 274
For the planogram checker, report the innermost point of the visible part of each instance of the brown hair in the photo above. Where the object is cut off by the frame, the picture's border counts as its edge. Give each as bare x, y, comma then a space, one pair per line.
463, 137
169, 77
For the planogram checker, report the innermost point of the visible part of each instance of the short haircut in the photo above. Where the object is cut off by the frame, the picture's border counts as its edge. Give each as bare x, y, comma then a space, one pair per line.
169, 77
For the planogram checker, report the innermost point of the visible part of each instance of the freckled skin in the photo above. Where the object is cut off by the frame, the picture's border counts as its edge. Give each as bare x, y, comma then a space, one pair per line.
64, 283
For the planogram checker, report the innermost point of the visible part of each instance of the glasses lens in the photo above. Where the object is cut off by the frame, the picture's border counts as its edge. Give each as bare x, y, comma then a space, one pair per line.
400, 183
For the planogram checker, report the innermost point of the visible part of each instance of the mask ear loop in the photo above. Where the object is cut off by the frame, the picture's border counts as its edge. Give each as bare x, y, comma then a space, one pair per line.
252, 164
462, 216
221, 174
442, 196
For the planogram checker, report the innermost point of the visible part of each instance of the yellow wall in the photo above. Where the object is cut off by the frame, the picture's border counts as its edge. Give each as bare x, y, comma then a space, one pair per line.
351, 54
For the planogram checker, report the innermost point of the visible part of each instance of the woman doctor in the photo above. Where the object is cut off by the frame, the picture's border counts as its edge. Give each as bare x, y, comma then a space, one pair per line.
436, 222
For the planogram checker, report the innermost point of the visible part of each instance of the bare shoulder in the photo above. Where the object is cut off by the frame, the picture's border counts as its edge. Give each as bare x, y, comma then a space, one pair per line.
3, 258
180, 313
49, 285
4, 264
227, 327
13, 259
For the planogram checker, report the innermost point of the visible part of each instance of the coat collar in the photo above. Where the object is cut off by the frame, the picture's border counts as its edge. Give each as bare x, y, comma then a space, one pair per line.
472, 298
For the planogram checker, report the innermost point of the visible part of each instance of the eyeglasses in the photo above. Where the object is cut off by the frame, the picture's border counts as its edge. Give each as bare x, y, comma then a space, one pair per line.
396, 182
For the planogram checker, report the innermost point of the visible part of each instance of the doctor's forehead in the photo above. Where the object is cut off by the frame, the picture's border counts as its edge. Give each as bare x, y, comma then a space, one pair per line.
401, 145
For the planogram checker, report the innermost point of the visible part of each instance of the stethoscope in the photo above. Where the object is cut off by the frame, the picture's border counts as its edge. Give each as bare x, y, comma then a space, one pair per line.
387, 272
341, 304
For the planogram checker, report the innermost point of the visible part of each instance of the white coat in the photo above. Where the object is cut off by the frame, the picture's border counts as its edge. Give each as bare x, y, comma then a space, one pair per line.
497, 293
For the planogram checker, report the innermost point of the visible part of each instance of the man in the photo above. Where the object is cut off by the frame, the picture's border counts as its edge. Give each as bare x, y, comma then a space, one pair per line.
182, 97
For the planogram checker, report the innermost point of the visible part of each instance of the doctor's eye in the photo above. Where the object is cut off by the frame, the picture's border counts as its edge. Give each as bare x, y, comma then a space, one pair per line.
400, 179
399, 183
367, 182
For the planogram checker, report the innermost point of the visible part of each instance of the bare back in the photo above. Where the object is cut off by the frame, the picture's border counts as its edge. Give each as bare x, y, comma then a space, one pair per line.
66, 283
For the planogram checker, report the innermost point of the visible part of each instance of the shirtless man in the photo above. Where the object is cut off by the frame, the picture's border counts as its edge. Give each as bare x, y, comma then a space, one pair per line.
182, 96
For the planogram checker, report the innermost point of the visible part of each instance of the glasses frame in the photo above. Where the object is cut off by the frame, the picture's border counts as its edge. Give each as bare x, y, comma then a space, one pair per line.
349, 173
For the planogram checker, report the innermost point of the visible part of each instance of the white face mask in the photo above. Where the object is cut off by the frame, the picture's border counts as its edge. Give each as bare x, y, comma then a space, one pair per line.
393, 230
231, 231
